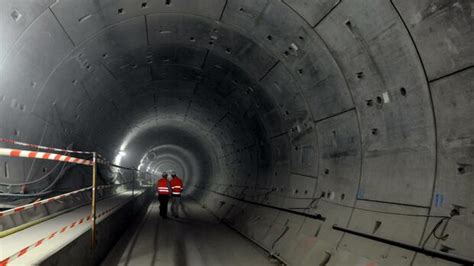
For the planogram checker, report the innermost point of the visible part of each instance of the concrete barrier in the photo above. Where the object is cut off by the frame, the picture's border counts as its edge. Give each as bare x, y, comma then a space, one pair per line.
109, 230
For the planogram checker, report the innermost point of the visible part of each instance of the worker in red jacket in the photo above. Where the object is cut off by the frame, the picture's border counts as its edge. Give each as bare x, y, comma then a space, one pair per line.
164, 191
176, 189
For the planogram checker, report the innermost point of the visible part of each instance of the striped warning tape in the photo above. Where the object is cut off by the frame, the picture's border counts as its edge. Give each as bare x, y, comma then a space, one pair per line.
57, 157
101, 159
41, 202
62, 230
43, 155
11, 141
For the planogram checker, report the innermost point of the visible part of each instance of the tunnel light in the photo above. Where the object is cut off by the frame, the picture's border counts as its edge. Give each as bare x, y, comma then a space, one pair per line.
122, 147
119, 156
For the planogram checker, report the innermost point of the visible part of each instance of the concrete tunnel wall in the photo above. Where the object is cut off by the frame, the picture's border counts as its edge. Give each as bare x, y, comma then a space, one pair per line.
355, 110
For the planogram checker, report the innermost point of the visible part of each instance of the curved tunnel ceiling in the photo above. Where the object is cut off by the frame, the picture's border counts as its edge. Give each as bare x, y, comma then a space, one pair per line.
360, 111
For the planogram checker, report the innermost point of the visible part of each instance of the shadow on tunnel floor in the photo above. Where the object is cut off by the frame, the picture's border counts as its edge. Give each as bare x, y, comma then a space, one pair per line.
195, 238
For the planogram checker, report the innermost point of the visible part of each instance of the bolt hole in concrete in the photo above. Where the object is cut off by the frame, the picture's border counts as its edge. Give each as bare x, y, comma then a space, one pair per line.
16, 15
403, 91
461, 169
331, 195
120, 11
144, 5
348, 23
376, 226
5, 170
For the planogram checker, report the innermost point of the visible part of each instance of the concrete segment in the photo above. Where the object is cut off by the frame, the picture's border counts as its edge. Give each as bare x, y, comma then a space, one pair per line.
359, 111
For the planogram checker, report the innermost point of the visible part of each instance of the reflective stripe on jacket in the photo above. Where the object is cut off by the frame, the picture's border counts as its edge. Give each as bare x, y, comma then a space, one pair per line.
162, 186
176, 186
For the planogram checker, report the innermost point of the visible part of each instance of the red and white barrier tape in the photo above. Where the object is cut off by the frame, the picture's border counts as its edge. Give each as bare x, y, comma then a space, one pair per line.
55, 156
63, 229
101, 159
11, 141
43, 155
41, 202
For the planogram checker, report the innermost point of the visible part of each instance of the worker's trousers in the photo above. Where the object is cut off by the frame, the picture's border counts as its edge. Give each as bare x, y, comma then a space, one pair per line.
163, 205
175, 202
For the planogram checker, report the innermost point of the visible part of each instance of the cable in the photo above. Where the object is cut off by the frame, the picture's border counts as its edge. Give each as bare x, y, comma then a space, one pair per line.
454, 212
63, 170
355, 208
35, 180
387, 212
43, 191
24, 195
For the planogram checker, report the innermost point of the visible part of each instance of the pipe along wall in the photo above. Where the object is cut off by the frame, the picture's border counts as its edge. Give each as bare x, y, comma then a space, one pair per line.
284, 117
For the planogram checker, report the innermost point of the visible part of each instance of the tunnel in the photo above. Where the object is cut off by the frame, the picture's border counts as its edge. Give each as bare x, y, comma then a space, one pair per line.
309, 132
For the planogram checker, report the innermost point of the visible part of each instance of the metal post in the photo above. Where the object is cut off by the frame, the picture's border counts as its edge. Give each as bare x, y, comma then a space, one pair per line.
94, 186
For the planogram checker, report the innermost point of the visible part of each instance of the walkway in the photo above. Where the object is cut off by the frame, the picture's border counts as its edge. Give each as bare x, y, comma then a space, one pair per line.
52, 235
196, 239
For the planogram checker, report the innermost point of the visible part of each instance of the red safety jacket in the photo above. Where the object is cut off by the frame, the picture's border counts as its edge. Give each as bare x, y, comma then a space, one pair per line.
176, 186
162, 186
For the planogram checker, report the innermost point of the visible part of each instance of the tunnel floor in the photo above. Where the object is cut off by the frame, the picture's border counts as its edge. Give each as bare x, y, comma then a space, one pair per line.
196, 238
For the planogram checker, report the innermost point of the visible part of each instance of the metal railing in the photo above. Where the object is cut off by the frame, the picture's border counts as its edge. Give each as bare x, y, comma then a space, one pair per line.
90, 162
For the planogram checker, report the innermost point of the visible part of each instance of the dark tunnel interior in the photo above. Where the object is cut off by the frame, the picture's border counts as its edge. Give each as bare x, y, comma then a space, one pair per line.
284, 118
